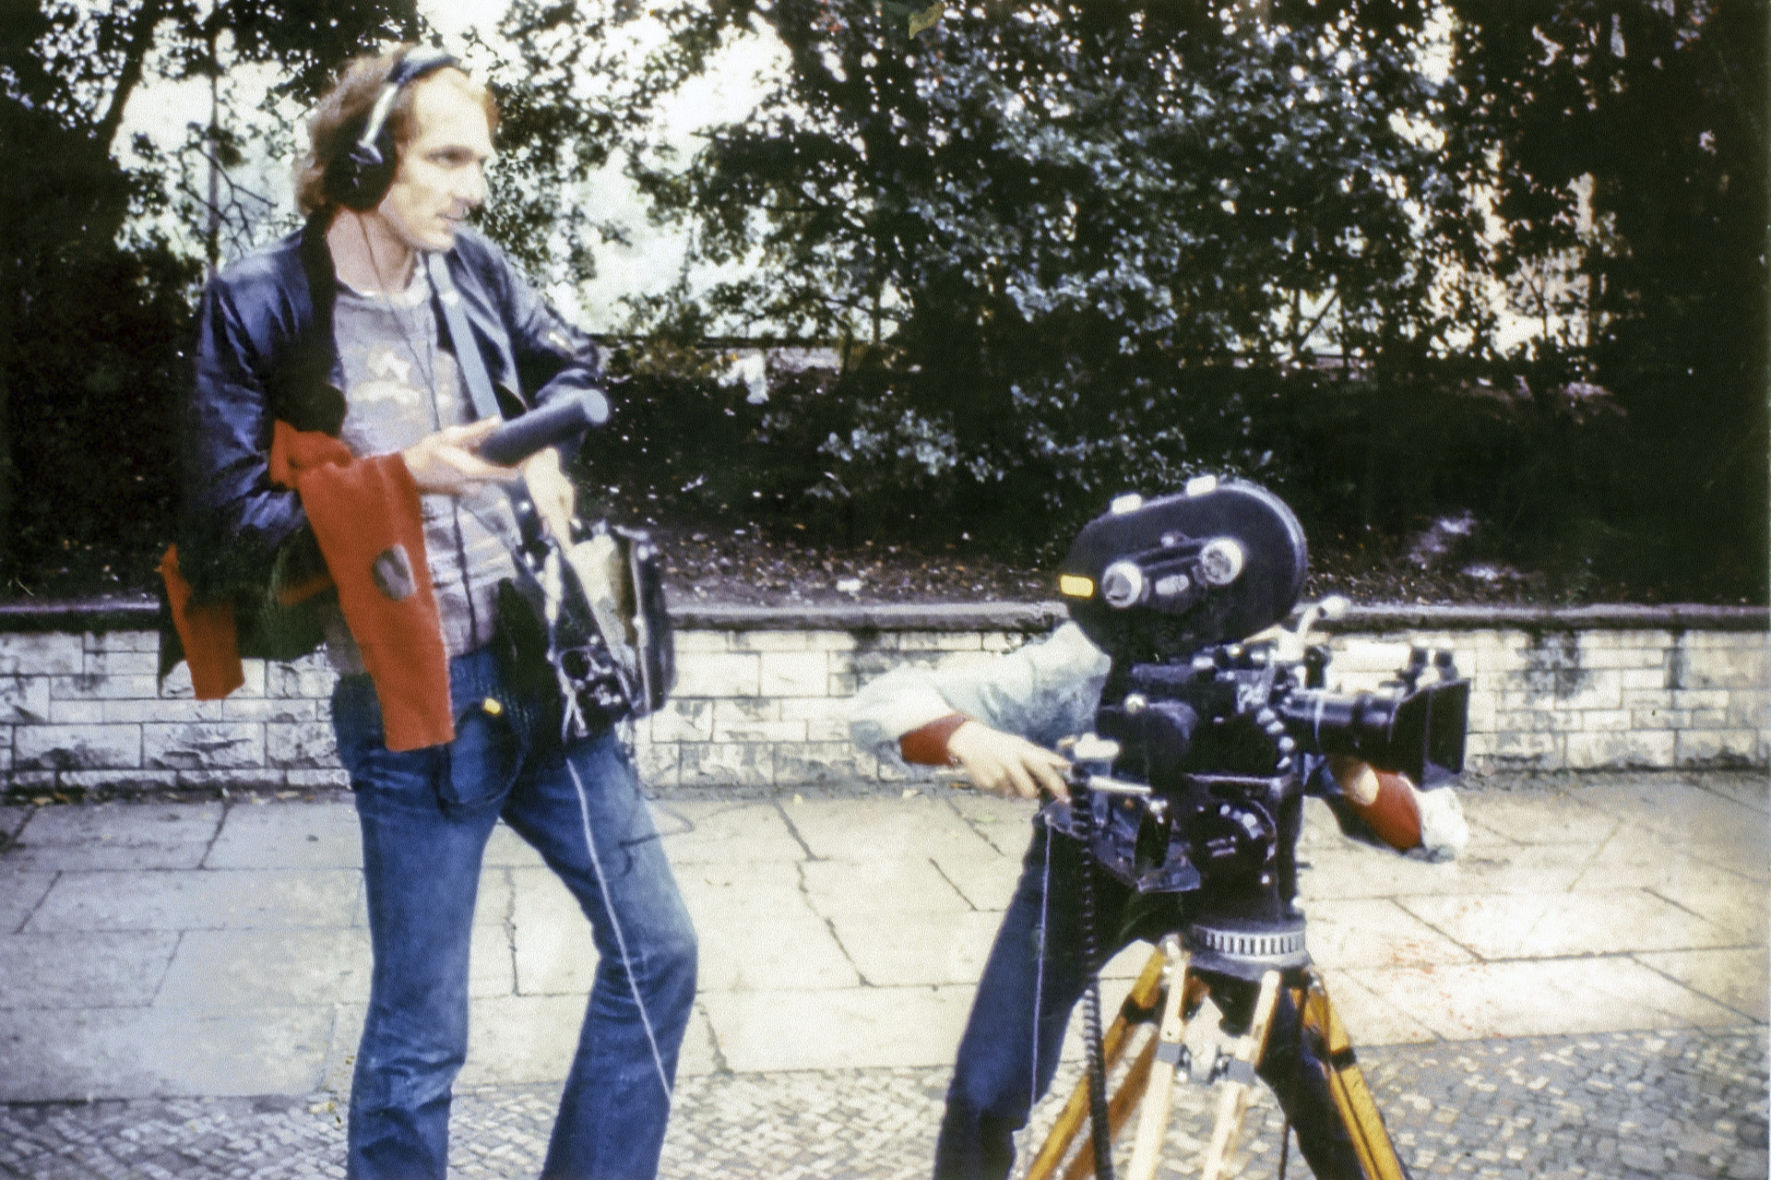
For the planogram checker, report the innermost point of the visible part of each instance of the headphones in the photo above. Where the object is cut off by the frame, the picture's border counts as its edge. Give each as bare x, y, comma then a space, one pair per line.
359, 178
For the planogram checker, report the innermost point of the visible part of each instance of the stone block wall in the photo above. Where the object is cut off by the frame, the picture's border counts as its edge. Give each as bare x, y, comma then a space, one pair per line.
761, 695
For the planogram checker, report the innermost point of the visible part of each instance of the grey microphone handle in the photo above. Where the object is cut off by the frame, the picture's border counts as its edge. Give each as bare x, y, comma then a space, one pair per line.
555, 422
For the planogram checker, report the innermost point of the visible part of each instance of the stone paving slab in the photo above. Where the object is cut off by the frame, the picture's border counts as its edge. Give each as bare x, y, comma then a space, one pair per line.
12, 818
116, 836
1619, 1106
751, 889
917, 946
529, 1039
986, 882
876, 829
842, 888
1373, 1017
834, 1028
49, 1054
1348, 870
845, 932
1749, 790
1685, 817
233, 898
21, 892
1734, 978
506, 849
1523, 819
1538, 926
294, 835
1376, 932
1527, 998
84, 968
764, 953
1007, 824
702, 831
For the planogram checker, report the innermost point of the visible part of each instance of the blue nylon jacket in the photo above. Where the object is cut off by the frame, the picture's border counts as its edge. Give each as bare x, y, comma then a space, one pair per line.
265, 351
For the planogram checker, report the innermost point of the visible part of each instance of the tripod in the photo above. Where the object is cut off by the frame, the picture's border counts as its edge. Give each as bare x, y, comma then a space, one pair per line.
1169, 993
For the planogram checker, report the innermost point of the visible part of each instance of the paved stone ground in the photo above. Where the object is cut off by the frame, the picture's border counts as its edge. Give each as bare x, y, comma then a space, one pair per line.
1620, 1106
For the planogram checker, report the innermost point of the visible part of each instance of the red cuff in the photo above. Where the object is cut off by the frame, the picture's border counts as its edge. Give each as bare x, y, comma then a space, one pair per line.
927, 745
1394, 816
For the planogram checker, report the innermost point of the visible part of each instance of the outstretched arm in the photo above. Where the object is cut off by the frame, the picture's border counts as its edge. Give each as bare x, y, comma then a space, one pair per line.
995, 718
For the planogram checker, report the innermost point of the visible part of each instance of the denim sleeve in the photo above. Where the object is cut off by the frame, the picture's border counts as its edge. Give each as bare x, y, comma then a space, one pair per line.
1044, 691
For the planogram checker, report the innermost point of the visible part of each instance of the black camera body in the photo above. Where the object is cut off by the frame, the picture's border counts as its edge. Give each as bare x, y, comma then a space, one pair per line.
1214, 723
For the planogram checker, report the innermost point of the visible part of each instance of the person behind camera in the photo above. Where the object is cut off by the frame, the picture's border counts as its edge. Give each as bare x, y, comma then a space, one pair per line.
1000, 722
344, 381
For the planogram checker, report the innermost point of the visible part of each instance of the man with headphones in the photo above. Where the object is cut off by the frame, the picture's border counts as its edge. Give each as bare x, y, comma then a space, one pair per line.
333, 496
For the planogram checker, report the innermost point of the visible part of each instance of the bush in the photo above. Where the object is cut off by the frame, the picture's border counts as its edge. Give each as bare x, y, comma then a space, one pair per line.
1532, 468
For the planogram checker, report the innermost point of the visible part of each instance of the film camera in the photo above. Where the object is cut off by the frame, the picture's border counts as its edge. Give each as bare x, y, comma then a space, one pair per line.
1213, 718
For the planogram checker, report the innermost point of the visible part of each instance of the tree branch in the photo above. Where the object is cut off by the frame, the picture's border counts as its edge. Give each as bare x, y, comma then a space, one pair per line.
141, 39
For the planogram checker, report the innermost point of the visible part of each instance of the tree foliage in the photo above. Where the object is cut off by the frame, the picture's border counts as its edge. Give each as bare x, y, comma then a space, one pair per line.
1063, 225
574, 93
1396, 257
94, 296
1085, 246
1629, 167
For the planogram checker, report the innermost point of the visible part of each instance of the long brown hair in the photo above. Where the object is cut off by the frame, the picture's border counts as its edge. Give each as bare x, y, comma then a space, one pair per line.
338, 120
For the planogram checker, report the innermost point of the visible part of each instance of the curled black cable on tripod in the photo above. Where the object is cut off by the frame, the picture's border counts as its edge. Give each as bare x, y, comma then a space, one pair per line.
1101, 1135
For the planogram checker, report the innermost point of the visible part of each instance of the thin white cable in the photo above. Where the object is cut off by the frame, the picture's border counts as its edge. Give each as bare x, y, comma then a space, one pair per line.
596, 863
1045, 892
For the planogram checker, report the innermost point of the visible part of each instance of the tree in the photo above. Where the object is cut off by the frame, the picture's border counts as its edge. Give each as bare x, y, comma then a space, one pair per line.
1630, 153
1056, 227
576, 90
93, 295
1057, 221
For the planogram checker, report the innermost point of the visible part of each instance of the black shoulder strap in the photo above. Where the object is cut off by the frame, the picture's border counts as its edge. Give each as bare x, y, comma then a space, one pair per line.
467, 350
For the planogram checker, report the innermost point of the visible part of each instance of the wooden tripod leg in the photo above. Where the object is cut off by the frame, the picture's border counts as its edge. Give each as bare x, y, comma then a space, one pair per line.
1113, 1045
1120, 1104
1233, 1104
1346, 1082
1171, 1030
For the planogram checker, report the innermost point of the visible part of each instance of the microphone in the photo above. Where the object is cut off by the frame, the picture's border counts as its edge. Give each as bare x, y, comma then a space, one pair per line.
557, 421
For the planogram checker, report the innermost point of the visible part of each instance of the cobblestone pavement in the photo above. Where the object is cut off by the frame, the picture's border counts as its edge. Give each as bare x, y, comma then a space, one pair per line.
1619, 1106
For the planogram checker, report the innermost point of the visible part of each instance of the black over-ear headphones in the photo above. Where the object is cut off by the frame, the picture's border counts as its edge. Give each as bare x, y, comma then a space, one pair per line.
359, 178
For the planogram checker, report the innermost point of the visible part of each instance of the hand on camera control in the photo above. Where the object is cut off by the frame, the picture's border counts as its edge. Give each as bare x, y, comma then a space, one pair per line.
1007, 765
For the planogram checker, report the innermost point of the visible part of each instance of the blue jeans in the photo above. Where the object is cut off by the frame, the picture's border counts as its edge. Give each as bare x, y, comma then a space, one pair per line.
998, 1078
426, 815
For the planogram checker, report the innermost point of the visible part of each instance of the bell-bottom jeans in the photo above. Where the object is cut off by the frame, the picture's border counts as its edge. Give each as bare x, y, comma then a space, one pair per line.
426, 816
